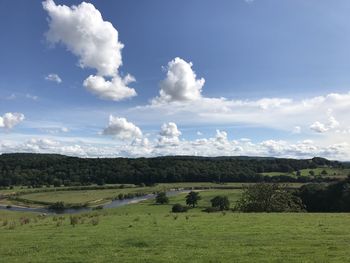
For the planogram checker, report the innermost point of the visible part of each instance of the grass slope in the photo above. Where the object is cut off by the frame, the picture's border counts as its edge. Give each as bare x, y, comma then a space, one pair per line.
150, 233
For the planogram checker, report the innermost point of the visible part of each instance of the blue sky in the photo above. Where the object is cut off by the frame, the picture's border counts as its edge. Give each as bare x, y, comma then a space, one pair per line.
237, 78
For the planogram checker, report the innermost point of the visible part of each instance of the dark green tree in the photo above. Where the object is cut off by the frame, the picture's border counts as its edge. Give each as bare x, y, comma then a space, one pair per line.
192, 198
263, 197
220, 202
161, 198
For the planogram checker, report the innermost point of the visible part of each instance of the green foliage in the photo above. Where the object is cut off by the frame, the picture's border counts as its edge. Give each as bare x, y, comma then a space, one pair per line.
220, 202
161, 198
264, 197
192, 198
94, 221
312, 173
49, 169
211, 209
178, 208
326, 198
74, 220
57, 206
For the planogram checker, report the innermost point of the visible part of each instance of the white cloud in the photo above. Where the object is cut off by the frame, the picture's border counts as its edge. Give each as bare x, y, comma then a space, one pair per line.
82, 30
122, 129
10, 120
54, 130
180, 84
221, 136
116, 89
319, 127
202, 147
53, 77
169, 134
31, 97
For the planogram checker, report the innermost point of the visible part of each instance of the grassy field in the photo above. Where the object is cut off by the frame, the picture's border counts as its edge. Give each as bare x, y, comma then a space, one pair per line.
146, 232
81, 196
331, 172
100, 196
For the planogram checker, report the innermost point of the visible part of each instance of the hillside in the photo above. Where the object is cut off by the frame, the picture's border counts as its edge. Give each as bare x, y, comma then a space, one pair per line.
48, 169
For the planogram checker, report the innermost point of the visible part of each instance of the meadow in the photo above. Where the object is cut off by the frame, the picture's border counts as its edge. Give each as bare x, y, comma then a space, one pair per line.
330, 172
146, 232
35, 197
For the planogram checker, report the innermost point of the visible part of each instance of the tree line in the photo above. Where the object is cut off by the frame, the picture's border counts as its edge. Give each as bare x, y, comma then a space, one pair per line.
51, 169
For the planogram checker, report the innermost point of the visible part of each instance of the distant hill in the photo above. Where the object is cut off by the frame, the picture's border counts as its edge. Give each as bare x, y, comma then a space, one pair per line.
48, 169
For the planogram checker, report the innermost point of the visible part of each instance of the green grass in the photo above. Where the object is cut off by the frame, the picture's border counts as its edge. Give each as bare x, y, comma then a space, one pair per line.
146, 232
100, 196
82, 196
331, 172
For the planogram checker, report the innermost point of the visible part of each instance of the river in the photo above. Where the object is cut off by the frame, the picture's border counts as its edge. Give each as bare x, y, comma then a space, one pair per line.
112, 204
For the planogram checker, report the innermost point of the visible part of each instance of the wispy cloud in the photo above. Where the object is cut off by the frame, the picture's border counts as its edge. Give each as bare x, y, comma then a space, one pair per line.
53, 77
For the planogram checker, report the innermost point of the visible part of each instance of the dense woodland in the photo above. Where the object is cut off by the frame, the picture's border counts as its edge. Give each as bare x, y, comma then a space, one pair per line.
49, 169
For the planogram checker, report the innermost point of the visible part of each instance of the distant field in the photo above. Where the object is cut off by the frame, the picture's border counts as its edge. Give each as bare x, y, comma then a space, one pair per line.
150, 233
94, 197
81, 196
317, 171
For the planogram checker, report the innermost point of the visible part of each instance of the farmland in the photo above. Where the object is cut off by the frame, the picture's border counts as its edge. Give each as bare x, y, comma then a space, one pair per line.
151, 233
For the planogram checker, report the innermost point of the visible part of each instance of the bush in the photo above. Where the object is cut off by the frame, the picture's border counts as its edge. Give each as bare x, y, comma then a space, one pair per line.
161, 198
263, 197
220, 202
178, 208
74, 220
211, 209
24, 220
95, 221
326, 198
57, 206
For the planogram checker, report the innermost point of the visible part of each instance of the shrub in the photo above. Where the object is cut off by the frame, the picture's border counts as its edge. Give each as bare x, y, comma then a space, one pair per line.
221, 202
211, 209
57, 206
178, 208
95, 221
74, 220
161, 198
263, 197
24, 220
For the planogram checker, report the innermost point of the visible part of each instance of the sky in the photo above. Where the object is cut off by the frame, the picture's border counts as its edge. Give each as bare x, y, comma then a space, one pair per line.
152, 78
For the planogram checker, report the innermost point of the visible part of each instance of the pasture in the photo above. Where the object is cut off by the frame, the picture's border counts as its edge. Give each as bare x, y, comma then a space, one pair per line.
146, 232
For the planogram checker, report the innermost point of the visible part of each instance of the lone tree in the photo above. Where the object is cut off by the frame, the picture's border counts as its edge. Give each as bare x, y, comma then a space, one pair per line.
192, 198
220, 202
161, 198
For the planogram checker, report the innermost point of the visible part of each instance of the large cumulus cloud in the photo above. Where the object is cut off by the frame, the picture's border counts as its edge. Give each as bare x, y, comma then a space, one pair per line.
82, 30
